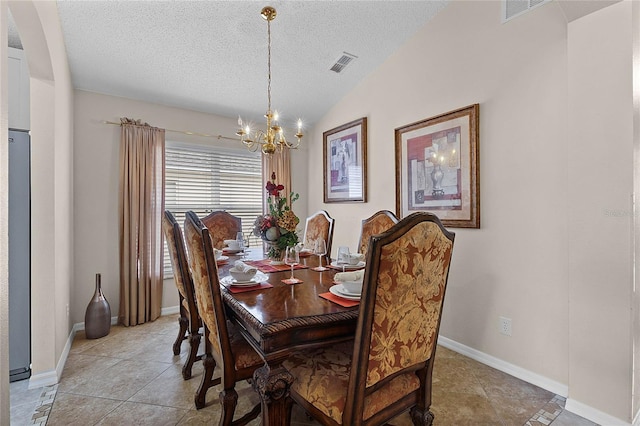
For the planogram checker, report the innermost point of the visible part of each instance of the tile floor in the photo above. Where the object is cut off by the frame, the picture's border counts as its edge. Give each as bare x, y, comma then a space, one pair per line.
132, 377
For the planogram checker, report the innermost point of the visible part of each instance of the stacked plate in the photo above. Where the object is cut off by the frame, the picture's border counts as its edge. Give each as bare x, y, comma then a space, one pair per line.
340, 291
256, 279
348, 266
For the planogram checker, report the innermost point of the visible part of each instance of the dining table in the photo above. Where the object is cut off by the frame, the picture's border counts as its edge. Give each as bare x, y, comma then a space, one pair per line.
278, 318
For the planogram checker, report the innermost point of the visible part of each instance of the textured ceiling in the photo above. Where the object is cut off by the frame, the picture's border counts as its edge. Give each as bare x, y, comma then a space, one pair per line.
211, 56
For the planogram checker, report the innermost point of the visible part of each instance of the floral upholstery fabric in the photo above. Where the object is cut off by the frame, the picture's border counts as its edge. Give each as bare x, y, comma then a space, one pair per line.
167, 228
409, 296
244, 355
376, 225
204, 298
222, 226
317, 227
321, 377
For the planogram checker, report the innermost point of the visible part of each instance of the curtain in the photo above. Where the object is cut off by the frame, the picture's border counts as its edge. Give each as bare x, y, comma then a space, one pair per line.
280, 163
141, 204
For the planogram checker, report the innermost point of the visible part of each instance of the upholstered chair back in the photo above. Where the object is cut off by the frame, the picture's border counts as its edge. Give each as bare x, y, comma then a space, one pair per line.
376, 224
207, 288
319, 225
403, 294
178, 256
222, 226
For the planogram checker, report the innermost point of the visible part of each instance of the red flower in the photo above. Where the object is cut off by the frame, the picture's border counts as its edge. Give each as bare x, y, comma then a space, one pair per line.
272, 188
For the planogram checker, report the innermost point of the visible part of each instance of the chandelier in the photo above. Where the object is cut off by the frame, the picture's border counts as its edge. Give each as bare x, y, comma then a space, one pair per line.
272, 138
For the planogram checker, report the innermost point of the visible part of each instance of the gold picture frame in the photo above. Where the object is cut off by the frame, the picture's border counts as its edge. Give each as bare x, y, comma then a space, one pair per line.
344, 162
438, 169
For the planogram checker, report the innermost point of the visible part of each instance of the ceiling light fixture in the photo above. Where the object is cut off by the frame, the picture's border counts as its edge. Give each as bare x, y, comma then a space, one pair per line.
273, 138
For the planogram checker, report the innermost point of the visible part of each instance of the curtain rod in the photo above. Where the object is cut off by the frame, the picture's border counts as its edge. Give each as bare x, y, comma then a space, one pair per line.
186, 132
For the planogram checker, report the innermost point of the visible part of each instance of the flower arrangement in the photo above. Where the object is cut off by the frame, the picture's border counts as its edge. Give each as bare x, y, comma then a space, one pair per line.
278, 227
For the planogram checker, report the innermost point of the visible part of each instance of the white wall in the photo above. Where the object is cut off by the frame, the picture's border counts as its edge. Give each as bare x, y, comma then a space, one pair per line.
600, 215
96, 175
518, 264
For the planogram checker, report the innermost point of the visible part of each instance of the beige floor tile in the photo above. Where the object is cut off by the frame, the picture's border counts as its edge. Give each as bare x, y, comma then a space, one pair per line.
122, 380
132, 377
81, 368
69, 409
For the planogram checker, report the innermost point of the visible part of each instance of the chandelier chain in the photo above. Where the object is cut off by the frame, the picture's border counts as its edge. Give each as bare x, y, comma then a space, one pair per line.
269, 63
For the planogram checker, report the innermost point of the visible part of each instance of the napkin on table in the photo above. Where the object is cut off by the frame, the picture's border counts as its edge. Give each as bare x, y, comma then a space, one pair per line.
349, 276
241, 266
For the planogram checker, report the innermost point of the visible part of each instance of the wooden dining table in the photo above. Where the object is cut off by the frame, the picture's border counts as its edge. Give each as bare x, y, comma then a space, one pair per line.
284, 318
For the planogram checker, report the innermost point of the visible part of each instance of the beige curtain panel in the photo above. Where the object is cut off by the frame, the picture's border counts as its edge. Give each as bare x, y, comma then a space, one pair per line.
140, 210
280, 163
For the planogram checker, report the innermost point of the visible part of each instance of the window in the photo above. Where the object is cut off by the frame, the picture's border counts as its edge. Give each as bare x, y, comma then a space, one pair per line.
204, 179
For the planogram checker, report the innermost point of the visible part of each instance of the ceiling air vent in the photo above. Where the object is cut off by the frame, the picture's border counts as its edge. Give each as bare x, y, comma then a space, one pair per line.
342, 62
513, 8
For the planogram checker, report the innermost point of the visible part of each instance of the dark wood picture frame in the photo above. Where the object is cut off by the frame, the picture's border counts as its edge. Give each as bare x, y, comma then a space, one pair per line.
344, 161
438, 167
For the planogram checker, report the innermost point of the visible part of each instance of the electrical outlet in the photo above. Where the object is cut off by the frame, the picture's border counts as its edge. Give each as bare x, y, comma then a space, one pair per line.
67, 309
504, 326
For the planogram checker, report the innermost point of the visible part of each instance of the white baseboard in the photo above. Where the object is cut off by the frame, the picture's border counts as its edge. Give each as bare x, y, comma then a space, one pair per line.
511, 369
593, 414
571, 405
47, 378
170, 310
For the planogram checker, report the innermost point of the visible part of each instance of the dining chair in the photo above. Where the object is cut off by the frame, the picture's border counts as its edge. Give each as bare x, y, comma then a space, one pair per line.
319, 225
388, 367
189, 321
224, 345
375, 224
222, 226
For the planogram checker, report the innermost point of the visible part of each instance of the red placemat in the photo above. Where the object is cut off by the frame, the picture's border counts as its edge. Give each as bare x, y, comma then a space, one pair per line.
265, 266
295, 281
339, 300
260, 286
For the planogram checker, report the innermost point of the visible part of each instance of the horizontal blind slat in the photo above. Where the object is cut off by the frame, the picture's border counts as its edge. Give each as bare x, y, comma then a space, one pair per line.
205, 179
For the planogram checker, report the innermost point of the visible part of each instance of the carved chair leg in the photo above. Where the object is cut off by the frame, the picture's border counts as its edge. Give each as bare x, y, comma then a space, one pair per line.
421, 417
228, 400
209, 366
194, 342
184, 324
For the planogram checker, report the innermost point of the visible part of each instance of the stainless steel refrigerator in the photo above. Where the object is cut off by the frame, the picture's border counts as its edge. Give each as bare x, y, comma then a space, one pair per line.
19, 255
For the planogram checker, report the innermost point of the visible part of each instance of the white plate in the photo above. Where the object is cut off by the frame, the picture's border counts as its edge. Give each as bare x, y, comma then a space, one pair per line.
359, 265
335, 289
222, 259
343, 289
257, 279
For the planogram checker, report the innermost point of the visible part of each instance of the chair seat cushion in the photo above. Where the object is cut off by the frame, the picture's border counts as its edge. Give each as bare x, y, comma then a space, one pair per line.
244, 354
321, 377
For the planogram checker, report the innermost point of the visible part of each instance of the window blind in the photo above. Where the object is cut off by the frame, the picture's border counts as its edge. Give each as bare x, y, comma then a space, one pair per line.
205, 179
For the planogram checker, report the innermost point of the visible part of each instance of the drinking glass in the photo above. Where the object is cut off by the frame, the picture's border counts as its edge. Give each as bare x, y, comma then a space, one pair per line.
240, 240
245, 244
320, 249
343, 257
292, 258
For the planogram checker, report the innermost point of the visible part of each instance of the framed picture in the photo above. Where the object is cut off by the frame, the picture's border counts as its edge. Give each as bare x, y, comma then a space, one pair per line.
437, 168
345, 162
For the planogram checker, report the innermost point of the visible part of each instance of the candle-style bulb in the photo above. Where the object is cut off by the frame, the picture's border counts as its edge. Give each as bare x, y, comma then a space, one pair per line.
239, 121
